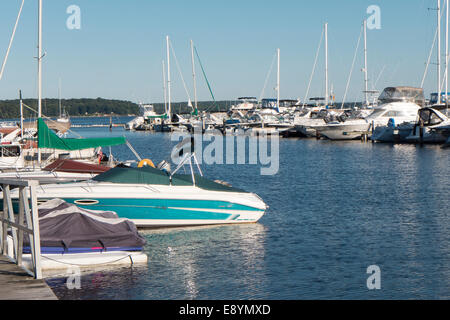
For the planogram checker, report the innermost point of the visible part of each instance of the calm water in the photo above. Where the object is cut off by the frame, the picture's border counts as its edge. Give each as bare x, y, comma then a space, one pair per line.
335, 209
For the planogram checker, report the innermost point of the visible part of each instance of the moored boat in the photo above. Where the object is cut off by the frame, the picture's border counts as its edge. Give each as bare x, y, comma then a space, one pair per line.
398, 103
154, 198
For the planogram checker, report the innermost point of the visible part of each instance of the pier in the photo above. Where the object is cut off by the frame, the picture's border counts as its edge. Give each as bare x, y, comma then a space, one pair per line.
16, 284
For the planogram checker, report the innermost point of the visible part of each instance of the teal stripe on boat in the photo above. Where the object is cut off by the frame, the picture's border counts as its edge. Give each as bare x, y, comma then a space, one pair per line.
173, 203
155, 212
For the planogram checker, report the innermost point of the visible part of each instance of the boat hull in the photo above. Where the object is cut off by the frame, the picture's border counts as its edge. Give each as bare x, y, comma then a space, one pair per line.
157, 205
173, 212
344, 131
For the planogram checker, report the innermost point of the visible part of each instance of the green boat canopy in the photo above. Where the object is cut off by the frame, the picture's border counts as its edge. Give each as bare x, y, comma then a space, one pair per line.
150, 175
48, 139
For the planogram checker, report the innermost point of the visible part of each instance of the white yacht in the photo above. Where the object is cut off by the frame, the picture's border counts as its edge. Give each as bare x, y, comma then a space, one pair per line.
146, 111
245, 104
396, 104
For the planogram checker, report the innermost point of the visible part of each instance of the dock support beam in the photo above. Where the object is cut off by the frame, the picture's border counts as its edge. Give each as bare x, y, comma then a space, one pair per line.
9, 221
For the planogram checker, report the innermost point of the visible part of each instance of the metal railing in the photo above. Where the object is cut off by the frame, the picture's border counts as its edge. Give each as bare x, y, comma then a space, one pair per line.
24, 222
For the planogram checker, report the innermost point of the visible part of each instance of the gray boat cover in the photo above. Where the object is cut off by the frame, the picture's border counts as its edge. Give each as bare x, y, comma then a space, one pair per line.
66, 228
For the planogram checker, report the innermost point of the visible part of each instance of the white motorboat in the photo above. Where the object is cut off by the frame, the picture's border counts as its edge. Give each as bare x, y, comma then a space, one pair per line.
154, 198
147, 112
245, 104
400, 104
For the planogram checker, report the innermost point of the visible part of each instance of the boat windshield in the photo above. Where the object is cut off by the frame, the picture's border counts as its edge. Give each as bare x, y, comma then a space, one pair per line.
376, 113
402, 94
10, 151
429, 117
248, 99
148, 108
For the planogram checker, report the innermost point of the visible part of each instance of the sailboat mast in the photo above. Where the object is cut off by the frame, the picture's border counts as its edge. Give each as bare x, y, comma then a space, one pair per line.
326, 64
446, 50
164, 86
59, 97
169, 106
39, 58
278, 79
193, 75
439, 51
366, 81
21, 114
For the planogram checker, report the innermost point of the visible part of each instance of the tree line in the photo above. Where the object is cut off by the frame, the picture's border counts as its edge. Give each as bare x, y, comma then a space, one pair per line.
10, 109
73, 107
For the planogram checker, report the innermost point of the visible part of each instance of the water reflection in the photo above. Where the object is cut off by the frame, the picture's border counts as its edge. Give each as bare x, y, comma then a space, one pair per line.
335, 208
185, 263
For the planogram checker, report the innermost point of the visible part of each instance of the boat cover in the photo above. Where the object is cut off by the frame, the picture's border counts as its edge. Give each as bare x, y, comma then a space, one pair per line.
48, 139
66, 228
149, 175
65, 165
407, 94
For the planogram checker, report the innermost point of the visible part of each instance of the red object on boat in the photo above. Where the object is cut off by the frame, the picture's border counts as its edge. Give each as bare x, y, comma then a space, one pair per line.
30, 144
65, 165
7, 130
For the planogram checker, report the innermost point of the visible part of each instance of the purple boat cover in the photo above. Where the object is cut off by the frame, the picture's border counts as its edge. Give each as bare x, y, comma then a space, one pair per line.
64, 226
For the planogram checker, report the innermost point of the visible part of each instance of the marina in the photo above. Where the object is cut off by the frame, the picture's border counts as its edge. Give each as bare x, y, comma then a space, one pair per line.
288, 195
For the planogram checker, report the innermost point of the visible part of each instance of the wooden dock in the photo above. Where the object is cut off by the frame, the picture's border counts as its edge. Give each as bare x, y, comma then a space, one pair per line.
16, 284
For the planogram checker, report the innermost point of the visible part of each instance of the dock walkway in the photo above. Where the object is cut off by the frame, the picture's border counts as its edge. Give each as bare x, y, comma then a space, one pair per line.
16, 284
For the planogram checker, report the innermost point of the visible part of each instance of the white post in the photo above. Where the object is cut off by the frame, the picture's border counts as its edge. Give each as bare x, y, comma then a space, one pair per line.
193, 75
36, 232
366, 81
326, 64
439, 51
278, 79
168, 79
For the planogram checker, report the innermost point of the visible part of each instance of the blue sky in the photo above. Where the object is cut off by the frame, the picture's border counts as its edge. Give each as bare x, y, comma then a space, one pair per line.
119, 49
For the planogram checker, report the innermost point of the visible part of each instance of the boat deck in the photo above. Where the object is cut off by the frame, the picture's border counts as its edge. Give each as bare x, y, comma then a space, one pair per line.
16, 284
